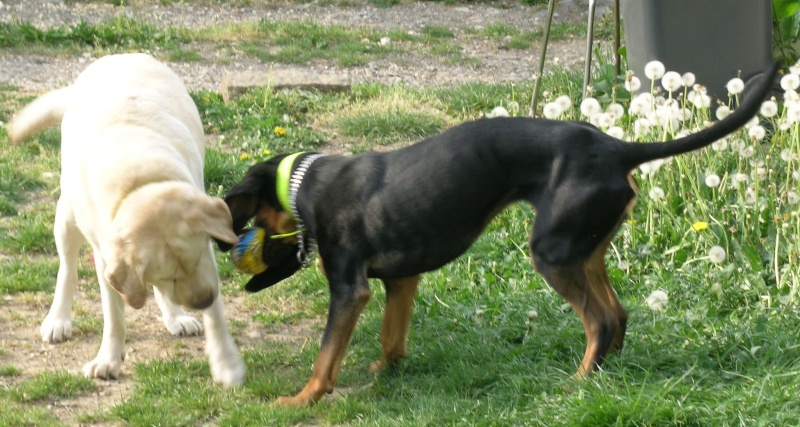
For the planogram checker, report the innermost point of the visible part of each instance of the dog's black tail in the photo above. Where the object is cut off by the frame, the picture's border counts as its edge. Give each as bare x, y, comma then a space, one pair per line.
634, 154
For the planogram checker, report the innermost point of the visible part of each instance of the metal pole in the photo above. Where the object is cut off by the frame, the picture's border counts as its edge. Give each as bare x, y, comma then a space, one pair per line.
589, 39
542, 52
617, 60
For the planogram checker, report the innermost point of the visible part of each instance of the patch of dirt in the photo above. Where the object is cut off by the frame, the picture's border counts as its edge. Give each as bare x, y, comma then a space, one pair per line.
497, 63
20, 315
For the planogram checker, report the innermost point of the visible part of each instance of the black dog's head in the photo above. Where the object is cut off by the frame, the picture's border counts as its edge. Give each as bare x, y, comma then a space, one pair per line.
255, 197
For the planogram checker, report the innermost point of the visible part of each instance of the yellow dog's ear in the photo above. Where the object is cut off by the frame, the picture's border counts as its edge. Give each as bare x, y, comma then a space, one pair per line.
211, 216
128, 281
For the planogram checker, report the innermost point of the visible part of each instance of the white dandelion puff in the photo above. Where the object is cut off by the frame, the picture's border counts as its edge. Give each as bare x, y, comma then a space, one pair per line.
722, 112
790, 81
786, 155
750, 196
700, 99
616, 132
497, 112
712, 180
590, 107
720, 144
716, 254
757, 133
552, 110
738, 145
653, 70
747, 152
602, 120
616, 111
656, 193
671, 81
564, 102
735, 86
740, 178
792, 197
657, 300
769, 109
688, 79
641, 126
633, 84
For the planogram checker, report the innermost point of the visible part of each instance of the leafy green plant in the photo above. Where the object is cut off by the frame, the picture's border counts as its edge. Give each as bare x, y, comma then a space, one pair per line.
785, 30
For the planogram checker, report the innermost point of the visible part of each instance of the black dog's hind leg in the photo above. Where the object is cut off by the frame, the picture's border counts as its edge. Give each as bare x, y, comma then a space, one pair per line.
557, 251
400, 294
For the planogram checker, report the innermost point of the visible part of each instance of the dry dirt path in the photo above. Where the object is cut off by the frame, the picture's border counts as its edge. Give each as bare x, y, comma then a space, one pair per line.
496, 63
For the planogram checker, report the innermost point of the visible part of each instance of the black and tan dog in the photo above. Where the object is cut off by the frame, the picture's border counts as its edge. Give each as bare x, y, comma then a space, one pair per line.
395, 215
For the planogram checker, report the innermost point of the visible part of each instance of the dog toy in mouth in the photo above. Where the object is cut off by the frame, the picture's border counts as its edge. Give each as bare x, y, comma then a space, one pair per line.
247, 254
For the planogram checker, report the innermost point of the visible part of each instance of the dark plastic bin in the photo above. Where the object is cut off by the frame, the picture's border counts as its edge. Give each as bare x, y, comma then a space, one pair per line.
716, 40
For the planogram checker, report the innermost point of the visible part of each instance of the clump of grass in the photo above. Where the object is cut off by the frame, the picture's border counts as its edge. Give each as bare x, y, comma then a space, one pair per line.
51, 385
385, 121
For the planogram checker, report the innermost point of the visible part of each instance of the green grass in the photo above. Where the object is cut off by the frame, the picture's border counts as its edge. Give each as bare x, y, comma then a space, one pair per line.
289, 42
491, 344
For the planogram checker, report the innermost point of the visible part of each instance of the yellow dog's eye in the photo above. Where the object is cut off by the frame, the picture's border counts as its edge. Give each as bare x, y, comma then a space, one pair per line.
247, 254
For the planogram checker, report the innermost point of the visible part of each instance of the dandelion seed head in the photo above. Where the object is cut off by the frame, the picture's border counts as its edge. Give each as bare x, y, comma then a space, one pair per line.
757, 133
590, 107
740, 178
795, 69
747, 152
616, 111
564, 102
688, 79
750, 196
787, 155
793, 114
712, 180
552, 110
657, 300
722, 112
769, 109
616, 132
792, 197
716, 254
656, 193
790, 81
602, 120
671, 81
700, 100
735, 86
654, 70
720, 144
498, 111
632, 83
641, 127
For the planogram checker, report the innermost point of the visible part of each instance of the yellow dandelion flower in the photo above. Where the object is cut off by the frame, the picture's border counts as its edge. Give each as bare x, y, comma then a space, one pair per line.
700, 225
279, 130
244, 156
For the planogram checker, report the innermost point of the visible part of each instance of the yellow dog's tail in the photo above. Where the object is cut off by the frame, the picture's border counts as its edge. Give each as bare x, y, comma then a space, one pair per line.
44, 112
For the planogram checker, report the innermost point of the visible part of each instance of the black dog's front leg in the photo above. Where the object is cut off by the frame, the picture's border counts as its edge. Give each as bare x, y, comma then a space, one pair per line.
348, 298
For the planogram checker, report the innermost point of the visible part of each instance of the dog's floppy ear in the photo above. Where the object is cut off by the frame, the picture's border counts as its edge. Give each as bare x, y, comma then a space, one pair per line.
211, 215
128, 281
245, 198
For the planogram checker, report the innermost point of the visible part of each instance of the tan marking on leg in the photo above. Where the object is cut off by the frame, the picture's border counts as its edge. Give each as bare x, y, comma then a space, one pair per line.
400, 294
329, 359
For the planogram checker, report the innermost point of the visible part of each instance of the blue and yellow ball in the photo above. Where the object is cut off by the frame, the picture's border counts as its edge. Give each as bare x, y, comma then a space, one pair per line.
247, 254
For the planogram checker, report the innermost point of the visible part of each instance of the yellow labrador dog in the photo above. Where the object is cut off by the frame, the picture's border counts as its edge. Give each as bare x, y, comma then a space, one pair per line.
132, 150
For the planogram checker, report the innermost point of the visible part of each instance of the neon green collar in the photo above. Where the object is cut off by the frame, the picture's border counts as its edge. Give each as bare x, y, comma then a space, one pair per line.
282, 181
